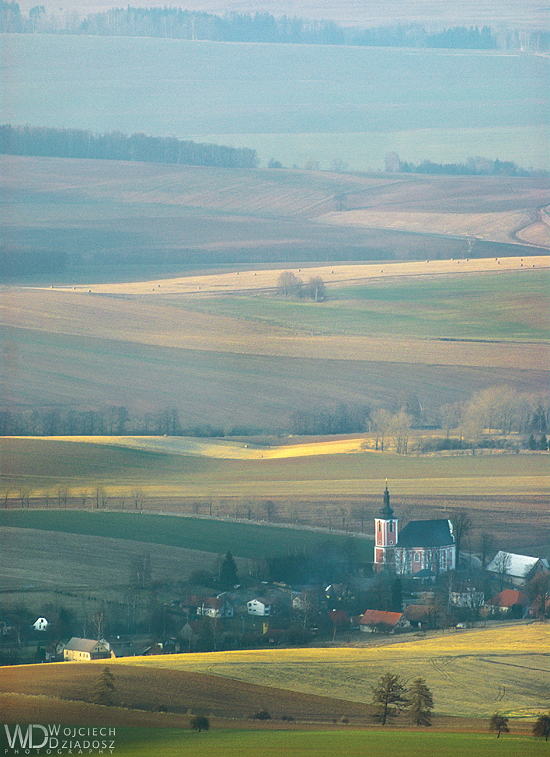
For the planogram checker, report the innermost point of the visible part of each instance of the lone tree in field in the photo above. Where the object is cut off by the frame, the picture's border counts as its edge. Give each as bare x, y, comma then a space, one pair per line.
388, 692
200, 723
499, 723
541, 726
420, 703
103, 693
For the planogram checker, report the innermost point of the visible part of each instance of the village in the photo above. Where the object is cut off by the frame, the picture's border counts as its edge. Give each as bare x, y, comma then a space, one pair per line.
420, 582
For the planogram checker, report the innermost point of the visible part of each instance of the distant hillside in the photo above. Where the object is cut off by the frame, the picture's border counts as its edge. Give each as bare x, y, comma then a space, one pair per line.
263, 27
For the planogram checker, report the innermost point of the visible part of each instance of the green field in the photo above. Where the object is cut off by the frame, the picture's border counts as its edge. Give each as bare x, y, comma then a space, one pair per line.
244, 540
235, 743
434, 104
136, 742
441, 308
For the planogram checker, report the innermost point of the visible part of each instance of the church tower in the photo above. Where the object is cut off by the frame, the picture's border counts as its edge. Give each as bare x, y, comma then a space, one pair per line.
385, 535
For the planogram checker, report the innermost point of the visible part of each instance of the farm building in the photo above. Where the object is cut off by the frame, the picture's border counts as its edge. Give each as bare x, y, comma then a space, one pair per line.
381, 621
508, 599
81, 650
420, 616
518, 569
422, 549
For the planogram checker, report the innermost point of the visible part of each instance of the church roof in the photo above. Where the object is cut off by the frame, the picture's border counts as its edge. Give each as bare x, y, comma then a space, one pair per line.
426, 533
385, 511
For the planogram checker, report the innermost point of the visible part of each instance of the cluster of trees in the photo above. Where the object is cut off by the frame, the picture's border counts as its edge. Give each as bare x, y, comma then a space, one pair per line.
390, 696
497, 411
77, 143
176, 23
499, 724
290, 285
477, 166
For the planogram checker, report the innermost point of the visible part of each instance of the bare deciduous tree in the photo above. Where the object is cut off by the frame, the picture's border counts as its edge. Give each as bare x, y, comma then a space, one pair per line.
462, 527
138, 498
381, 421
288, 284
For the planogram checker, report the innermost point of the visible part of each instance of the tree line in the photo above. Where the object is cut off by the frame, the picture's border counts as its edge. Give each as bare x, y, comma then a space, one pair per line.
487, 419
477, 166
177, 23
76, 143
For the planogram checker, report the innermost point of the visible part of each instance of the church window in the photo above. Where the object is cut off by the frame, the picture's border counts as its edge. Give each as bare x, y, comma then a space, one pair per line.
379, 525
391, 526
417, 557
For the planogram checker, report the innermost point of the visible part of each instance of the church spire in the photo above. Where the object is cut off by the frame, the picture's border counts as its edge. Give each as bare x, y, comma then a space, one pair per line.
386, 512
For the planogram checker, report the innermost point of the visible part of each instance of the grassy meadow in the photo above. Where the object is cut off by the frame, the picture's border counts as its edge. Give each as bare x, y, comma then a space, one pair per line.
244, 540
433, 329
308, 743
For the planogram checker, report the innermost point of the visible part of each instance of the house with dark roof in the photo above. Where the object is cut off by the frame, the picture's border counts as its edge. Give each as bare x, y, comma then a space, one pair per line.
423, 549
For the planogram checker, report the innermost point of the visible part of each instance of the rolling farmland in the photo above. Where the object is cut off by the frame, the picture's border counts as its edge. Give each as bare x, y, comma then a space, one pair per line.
296, 103
470, 673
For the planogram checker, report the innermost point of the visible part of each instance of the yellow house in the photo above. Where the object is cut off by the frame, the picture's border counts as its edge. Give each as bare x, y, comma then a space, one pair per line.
82, 650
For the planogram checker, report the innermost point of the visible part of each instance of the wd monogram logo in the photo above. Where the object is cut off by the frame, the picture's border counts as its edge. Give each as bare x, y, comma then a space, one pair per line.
55, 739
34, 736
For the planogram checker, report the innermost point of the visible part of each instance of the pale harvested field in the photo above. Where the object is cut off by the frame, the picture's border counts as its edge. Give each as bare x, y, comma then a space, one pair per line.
538, 231
256, 281
471, 673
499, 227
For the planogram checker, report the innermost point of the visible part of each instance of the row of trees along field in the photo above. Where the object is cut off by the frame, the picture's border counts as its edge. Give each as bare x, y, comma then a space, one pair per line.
176, 23
76, 143
486, 420
477, 166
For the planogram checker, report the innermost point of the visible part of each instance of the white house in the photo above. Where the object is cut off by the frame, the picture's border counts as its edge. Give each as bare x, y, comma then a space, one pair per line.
517, 569
259, 606
40, 624
470, 599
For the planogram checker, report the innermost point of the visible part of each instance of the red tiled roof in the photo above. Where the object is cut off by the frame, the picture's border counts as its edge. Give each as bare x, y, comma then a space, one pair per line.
509, 597
378, 617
